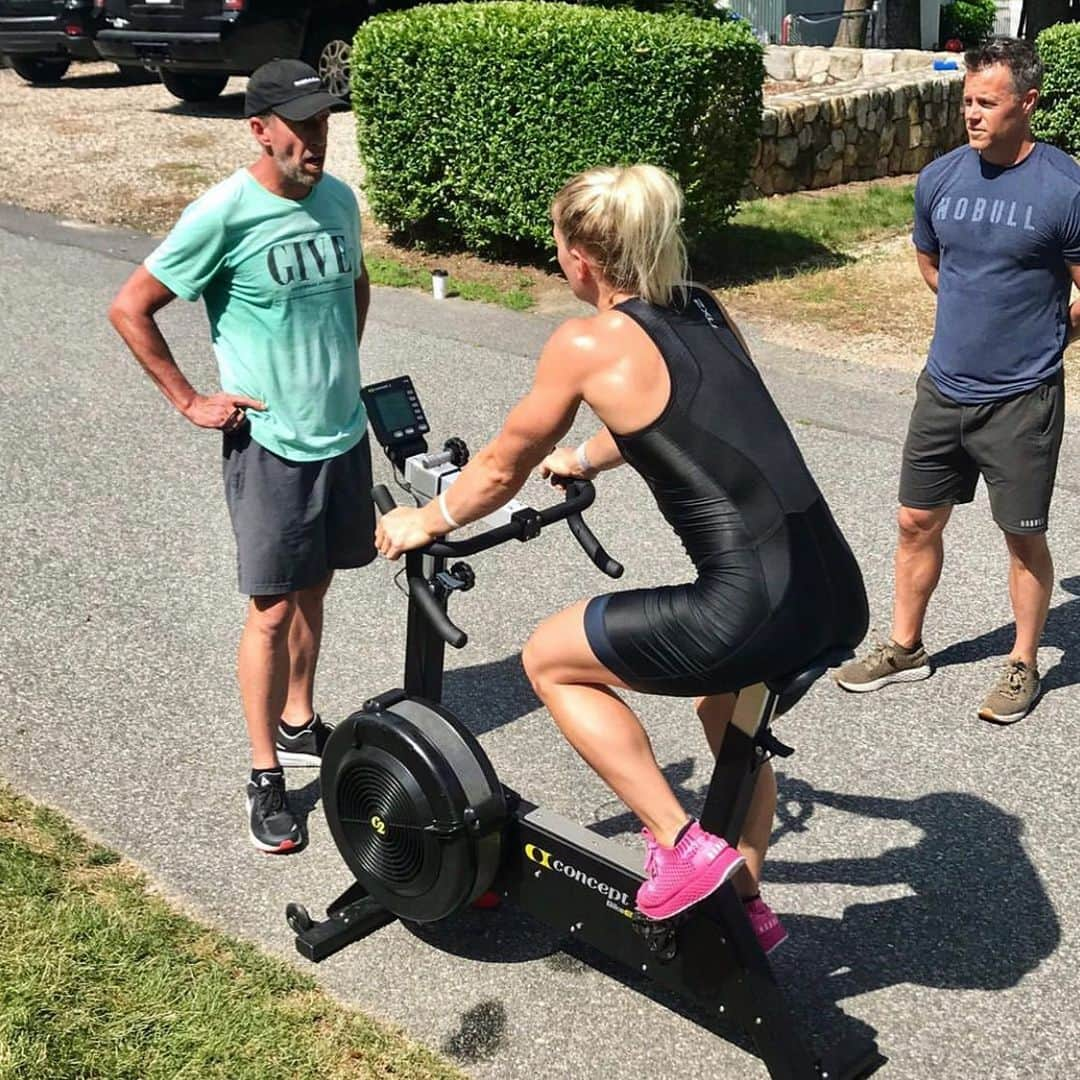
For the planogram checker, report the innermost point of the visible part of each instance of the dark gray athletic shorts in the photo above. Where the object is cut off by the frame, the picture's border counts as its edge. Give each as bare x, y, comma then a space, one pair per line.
295, 521
1013, 443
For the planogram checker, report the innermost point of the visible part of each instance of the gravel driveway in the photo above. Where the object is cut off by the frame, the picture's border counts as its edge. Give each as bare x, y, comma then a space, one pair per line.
95, 149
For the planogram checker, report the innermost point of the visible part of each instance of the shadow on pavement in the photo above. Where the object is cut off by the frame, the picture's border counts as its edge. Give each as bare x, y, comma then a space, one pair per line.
488, 696
226, 107
303, 800
101, 80
1062, 632
744, 254
977, 917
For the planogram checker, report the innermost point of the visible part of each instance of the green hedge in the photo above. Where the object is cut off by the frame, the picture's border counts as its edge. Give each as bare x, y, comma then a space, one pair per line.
972, 21
1057, 119
471, 116
703, 9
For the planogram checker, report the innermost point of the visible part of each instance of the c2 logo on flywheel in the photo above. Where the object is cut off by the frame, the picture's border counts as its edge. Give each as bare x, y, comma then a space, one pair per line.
378, 825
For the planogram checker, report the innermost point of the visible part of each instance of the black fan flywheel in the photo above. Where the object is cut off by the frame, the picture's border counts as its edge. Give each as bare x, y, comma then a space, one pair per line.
414, 806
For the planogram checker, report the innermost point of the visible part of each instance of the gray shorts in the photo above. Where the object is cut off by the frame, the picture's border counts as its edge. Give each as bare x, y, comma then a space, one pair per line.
295, 521
1012, 443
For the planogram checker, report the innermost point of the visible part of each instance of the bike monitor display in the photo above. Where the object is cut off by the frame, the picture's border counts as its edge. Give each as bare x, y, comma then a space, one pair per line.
394, 412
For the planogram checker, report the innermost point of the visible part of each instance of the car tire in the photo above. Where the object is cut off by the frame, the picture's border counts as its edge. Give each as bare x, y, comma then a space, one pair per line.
328, 51
40, 70
191, 87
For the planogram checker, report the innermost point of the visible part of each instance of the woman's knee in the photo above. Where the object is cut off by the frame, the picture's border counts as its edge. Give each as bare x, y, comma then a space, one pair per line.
534, 658
549, 656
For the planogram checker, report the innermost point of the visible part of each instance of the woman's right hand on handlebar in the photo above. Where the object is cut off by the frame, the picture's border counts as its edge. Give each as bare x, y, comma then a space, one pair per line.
563, 461
402, 530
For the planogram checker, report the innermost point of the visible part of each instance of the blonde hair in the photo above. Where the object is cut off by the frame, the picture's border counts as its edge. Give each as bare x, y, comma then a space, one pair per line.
628, 219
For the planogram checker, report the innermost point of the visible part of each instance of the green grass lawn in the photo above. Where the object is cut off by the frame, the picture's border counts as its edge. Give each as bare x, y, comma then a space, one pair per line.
394, 272
806, 230
766, 239
100, 978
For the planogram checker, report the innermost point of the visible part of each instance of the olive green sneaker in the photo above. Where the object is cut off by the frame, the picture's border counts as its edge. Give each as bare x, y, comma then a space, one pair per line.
885, 663
1012, 696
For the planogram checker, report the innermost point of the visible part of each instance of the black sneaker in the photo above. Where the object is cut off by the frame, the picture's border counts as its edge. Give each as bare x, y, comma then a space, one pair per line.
272, 826
305, 747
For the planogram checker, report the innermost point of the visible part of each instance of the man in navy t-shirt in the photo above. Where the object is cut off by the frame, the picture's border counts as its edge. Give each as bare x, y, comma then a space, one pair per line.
997, 238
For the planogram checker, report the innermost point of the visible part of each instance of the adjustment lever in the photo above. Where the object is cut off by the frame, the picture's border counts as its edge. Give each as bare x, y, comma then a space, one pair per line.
459, 576
772, 745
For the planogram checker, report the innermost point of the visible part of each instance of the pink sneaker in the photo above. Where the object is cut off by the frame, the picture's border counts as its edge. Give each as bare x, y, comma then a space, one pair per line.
768, 929
679, 877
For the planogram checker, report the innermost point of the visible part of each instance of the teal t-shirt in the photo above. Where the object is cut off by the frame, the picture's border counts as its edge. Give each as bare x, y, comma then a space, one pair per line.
278, 278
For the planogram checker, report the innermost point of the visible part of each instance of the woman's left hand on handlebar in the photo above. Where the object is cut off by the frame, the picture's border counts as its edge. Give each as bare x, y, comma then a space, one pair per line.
401, 530
563, 461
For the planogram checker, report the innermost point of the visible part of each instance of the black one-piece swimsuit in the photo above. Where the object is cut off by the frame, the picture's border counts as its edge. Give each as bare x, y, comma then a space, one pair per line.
777, 583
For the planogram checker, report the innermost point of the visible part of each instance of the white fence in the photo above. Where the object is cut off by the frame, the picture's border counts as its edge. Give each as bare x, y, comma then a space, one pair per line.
1008, 18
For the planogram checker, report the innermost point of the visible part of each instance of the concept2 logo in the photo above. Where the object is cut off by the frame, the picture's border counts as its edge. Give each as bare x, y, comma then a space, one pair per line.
614, 897
378, 825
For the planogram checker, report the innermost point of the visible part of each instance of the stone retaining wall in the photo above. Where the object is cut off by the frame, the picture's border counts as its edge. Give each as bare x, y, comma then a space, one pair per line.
819, 65
883, 125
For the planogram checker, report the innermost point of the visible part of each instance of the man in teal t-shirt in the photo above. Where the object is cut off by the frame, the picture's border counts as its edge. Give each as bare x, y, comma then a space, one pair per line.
274, 252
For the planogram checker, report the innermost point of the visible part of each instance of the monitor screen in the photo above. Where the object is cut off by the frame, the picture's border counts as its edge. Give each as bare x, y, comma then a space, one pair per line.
395, 410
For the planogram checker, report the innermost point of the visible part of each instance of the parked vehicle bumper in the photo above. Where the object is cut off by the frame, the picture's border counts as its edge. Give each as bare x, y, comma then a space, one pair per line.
47, 35
225, 49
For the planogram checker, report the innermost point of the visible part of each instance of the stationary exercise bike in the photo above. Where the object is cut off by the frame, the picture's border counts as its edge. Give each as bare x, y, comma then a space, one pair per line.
422, 821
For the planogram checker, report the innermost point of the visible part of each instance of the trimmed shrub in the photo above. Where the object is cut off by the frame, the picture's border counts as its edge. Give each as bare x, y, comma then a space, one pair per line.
1057, 118
471, 116
703, 9
972, 21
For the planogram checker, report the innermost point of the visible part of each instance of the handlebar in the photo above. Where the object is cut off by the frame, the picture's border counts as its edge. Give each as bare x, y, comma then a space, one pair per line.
524, 525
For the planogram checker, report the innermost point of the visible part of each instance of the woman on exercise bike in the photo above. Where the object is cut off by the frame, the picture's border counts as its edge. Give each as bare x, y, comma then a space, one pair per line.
671, 381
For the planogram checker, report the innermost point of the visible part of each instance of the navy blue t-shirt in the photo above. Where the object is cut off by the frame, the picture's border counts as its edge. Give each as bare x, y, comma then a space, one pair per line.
1004, 237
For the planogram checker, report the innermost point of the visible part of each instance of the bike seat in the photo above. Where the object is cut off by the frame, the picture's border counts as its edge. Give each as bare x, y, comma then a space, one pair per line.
789, 688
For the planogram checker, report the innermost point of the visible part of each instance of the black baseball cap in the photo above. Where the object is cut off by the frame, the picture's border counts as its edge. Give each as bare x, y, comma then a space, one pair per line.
289, 88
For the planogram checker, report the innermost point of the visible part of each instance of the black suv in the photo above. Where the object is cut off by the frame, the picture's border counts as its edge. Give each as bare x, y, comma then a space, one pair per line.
41, 37
198, 44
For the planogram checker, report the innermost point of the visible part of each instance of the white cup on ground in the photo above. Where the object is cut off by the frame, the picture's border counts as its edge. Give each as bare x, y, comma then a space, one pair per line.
438, 284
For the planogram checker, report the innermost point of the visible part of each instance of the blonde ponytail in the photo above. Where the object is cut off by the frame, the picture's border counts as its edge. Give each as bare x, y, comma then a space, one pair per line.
628, 219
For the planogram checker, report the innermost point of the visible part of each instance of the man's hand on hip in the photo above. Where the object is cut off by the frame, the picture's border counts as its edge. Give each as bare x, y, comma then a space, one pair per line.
225, 412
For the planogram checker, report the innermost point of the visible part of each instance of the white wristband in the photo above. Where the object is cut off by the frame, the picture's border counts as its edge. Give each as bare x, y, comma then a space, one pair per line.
446, 513
583, 458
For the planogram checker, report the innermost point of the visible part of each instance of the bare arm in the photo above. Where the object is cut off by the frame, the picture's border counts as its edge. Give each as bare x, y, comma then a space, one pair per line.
363, 300
497, 472
928, 267
538, 421
599, 450
132, 314
1074, 308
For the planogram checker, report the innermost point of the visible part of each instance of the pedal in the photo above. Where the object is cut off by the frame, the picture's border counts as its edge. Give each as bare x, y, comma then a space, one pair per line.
661, 936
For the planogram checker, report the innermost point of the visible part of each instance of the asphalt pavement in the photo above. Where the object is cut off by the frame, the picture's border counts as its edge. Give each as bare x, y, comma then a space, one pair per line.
924, 862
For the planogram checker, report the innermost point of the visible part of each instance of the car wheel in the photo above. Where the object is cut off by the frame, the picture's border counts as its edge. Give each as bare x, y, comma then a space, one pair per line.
329, 54
189, 87
39, 70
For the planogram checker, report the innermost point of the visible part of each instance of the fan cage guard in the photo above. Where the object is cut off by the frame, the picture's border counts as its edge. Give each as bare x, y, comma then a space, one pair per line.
380, 824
